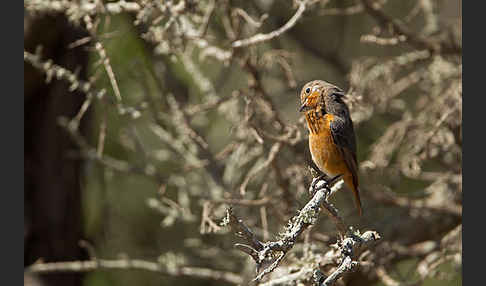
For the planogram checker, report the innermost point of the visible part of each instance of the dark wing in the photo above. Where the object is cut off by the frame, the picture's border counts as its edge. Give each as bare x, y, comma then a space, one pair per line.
343, 136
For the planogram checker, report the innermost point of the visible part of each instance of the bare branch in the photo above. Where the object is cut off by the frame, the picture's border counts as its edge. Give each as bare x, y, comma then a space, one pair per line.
259, 38
105, 264
419, 41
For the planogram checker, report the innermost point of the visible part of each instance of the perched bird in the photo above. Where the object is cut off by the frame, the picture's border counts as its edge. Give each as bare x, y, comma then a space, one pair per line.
332, 142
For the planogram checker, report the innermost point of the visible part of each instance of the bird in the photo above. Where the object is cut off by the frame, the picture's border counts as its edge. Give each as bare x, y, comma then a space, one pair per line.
332, 141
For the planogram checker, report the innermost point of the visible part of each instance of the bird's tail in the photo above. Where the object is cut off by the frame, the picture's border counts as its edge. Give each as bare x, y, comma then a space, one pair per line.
354, 187
357, 200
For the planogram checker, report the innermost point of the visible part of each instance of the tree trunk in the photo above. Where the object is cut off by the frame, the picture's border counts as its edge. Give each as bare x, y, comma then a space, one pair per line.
52, 193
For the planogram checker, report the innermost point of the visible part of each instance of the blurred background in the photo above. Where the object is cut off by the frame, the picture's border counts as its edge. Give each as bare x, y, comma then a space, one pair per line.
146, 120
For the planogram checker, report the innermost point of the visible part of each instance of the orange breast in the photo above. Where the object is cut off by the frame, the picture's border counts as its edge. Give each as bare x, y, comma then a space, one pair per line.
323, 150
326, 154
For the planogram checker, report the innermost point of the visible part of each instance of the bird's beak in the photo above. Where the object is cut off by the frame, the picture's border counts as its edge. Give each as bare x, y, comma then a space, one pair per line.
304, 107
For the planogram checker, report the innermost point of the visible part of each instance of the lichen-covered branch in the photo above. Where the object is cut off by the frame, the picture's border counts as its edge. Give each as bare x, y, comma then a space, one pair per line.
347, 247
268, 255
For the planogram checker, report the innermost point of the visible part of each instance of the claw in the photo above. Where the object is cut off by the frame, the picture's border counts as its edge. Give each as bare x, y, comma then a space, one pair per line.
329, 182
335, 179
314, 183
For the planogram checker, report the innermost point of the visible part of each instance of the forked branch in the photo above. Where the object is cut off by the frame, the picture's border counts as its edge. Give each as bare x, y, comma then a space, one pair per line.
268, 255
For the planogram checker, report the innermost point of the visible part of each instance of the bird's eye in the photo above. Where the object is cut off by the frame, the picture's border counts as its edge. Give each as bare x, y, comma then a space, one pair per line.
307, 90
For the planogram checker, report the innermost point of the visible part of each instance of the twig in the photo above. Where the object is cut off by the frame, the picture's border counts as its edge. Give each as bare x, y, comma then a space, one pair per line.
105, 264
52, 70
109, 70
101, 136
264, 253
413, 38
427, 203
248, 18
271, 156
355, 9
259, 38
207, 224
383, 41
288, 279
385, 277
207, 17
244, 202
348, 247
257, 85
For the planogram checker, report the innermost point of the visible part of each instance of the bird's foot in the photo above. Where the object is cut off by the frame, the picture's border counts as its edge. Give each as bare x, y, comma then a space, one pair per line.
313, 189
334, 179
327, 182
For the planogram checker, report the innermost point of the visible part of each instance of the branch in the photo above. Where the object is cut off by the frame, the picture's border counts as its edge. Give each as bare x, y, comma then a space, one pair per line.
104, 264
389, 198
258, 38
268, 255
348, 247
413, 38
